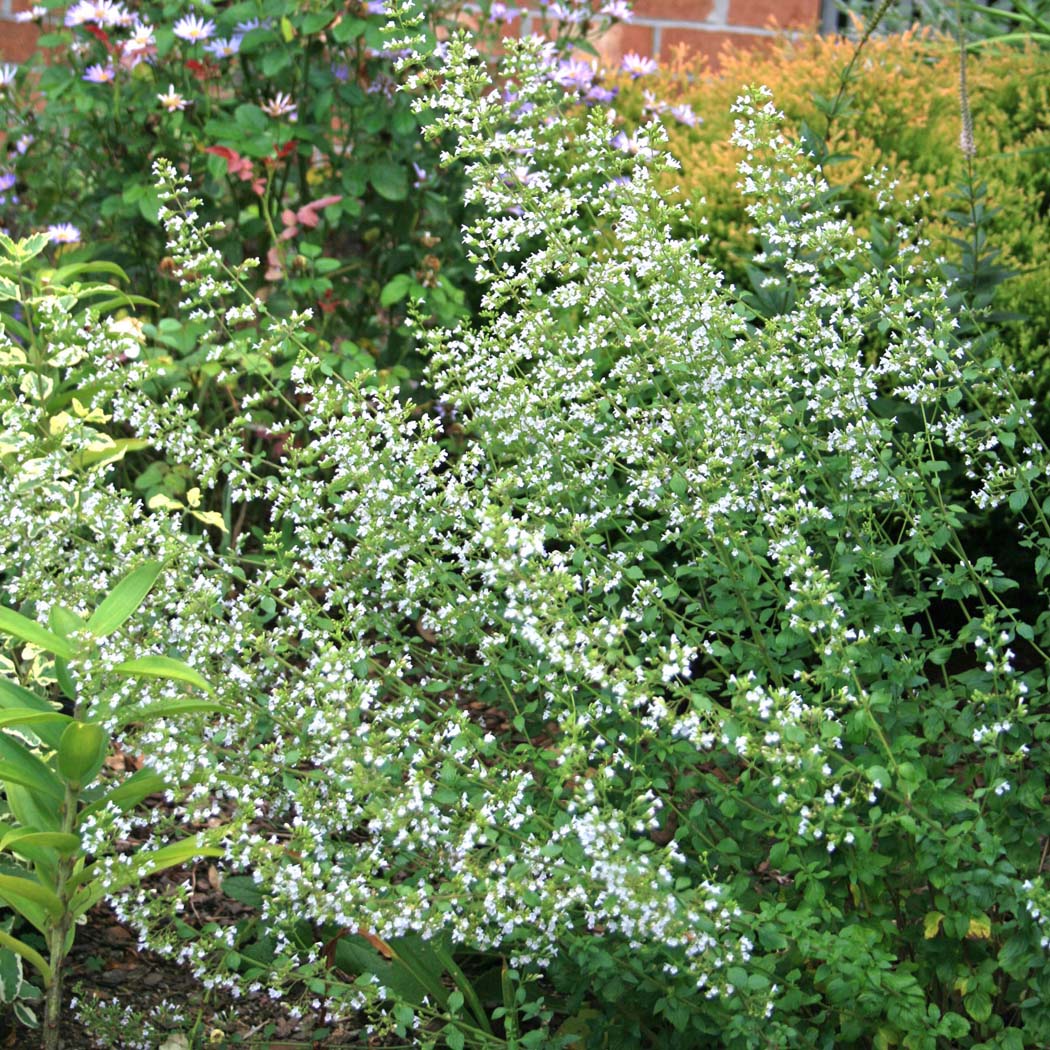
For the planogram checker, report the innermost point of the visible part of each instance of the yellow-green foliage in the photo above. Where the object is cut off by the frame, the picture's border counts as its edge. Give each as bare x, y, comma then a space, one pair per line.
902, 113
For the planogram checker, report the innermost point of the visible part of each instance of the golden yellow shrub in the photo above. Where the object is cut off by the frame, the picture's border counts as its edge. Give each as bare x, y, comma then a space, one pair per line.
901, 112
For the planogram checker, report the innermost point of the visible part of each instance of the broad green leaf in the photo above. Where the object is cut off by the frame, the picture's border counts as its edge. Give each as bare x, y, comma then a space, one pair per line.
395, 289
26, 630
389, 180
65, 680
26, 716
163, 667
64, 621
978, 1005
32, 810
125, 598
14, 887
20, 766
13, 695
61, 841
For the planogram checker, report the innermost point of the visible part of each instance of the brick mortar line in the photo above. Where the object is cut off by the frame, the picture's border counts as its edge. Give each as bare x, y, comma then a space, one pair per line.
705, 27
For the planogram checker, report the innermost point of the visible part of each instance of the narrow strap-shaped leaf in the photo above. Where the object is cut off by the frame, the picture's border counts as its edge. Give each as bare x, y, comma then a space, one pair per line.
464, 985
92, 891
26, 630
19, 764
129, 793
120, 604
149, 712
163, 667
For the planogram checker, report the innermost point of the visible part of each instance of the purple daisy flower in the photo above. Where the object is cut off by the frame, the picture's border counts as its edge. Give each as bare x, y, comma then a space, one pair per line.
636, 65
194, 29
63, 233
99, 74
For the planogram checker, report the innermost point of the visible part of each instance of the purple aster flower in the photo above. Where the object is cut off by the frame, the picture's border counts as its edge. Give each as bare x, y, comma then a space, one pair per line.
636, 145
421, 176
281, 105
223, 48
7, 180
600, 95
519, 175
684, 115
98, 74
141, 39
500, 12
574, 73
638, 65
193, 29
618, 9
101, 12
244, 28
63, 233
34, 14
376, 7
651, 104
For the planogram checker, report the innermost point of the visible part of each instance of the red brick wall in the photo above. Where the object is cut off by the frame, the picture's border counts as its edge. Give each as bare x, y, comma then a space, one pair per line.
16, 40
706, 25
659, 25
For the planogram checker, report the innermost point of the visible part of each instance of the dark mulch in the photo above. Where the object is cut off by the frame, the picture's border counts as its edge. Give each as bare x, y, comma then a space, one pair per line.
106, 966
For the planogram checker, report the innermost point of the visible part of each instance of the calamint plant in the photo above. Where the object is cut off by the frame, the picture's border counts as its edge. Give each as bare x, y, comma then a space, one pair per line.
676, 679
661, 683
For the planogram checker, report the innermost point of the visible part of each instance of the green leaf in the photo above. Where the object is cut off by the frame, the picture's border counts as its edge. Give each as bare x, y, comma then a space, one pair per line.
129, 793
20, 766
163, 667
245, 889
16, 697
32, 810
26, 630
16, 716
25, 1015
13, 888
932, 924
978, 1005
125, 598
395, 289
389, 180
165, 709
61, 841
142, 865
348, 29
